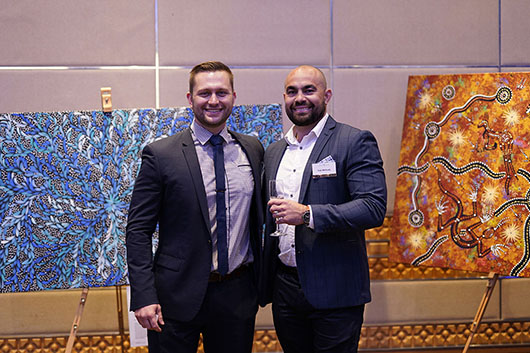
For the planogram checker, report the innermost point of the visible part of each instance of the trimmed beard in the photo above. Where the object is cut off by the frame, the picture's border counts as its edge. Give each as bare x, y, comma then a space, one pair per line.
313, 118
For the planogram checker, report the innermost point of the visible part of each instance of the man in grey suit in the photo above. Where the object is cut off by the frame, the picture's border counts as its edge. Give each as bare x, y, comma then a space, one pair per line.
202, 187
331, 188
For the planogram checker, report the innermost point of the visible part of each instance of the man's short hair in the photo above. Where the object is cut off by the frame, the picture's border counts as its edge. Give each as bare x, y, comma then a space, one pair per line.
210, 66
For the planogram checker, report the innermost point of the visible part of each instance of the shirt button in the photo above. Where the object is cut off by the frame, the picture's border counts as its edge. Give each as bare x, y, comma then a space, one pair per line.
292, 245
300, 147
292, 195
294, 170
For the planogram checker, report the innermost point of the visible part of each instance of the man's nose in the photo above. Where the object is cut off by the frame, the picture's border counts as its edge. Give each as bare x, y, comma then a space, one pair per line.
299, 97
213, 99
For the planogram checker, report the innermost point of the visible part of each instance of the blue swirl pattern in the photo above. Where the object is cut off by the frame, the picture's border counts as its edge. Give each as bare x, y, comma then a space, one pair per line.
66, 180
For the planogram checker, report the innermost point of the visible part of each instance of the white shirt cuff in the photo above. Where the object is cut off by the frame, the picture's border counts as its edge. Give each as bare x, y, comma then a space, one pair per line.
311, 220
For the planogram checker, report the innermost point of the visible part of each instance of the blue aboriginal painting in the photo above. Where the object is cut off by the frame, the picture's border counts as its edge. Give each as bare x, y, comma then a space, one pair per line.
66, 180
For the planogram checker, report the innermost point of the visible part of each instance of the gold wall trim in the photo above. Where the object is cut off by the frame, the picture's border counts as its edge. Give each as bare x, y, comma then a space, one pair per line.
444, 335
379, 338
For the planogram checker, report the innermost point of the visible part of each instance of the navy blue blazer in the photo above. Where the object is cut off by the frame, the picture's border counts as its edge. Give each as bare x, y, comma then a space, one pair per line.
169, 191
331, 259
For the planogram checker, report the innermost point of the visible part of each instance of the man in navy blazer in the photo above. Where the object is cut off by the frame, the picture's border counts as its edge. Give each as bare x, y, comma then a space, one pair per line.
182, 291
331, 188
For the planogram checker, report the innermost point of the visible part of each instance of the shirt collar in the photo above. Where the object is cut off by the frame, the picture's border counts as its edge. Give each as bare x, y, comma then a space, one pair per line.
315, 132
203, 135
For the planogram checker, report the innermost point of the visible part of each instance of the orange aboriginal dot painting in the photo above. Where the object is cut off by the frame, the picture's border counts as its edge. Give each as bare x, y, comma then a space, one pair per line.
463, 185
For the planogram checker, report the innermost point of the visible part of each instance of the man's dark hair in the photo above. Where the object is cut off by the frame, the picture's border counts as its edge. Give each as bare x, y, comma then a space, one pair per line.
210, 66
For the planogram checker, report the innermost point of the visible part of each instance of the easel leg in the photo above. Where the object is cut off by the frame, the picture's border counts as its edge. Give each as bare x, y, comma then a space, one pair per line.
77, 320
119, 305
492, 279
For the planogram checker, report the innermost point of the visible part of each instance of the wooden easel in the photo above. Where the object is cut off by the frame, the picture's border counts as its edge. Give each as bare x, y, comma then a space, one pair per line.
119, 304
492, 279
79, 314
106, 104
77, 319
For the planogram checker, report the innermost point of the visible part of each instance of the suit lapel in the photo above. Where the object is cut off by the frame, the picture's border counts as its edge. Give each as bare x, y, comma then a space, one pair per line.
188, 148
315, 153
276, 158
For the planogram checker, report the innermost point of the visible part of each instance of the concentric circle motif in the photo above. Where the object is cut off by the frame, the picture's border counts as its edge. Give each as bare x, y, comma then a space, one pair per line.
448, 92
432, 130
416, 218
504, 95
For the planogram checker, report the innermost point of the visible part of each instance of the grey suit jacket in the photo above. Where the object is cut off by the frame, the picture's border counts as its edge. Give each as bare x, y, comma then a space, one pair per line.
169, 192
331, 259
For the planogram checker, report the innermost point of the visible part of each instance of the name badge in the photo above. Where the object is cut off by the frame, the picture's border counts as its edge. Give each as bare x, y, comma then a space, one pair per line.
324, 169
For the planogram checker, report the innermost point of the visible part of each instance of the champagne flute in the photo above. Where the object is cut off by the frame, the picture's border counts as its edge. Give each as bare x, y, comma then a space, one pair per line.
275, 187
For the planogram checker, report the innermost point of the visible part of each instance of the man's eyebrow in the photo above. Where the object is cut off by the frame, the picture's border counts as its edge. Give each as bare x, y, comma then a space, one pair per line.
304, 87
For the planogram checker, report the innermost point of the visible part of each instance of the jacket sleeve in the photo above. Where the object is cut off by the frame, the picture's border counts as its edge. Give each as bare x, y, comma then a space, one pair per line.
366, 186
141, 224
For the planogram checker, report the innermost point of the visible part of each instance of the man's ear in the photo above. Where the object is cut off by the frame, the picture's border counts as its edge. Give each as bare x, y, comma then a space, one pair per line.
188, 95
327, 95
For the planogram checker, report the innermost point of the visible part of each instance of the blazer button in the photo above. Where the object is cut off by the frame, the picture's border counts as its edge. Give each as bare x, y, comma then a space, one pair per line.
298, 251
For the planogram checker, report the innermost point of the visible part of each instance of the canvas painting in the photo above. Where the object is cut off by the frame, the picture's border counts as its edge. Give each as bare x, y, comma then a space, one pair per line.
66, 180
463, 185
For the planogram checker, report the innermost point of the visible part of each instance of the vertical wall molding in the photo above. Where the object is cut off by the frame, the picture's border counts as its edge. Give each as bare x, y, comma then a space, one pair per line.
157, 62
500, 38
331, 60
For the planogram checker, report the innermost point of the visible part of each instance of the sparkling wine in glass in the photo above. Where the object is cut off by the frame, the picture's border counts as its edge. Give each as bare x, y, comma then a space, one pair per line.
275, 187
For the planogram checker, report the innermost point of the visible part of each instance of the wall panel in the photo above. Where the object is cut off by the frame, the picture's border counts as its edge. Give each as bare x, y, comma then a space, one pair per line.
77, 33
245, 33
515, 44
415, 32
59, 90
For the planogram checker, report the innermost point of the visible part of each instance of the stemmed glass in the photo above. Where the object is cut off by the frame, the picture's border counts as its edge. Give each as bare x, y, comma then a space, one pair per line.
275, 186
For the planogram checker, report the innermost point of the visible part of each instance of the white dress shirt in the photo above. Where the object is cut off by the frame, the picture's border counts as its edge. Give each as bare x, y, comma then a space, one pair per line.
290, 174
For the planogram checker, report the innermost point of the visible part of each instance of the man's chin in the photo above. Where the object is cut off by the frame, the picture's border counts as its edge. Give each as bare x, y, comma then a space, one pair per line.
301, 120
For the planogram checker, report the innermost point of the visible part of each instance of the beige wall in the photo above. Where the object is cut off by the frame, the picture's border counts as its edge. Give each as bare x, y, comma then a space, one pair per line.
57, 54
